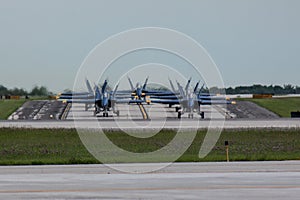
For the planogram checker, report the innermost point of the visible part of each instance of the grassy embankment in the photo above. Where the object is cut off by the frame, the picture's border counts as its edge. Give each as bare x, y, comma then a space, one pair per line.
281, 106
7, 107
63, 146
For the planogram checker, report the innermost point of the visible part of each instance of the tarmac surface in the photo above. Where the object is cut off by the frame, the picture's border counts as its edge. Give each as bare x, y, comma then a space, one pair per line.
250, 110
233, 180
39, 110
132, 117
54, 110
154, 112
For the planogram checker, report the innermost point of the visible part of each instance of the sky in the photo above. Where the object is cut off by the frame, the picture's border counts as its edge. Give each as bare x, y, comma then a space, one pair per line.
251, 41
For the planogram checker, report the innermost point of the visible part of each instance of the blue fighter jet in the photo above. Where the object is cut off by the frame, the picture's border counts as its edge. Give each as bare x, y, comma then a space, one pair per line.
189, 100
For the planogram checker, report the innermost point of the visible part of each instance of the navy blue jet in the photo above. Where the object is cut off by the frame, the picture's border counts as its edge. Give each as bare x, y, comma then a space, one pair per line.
189, 100
103, 100
140, 92
66, 95
79, 95
100, 99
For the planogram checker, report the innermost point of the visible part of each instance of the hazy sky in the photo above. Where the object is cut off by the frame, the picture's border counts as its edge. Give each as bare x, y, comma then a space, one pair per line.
251, 41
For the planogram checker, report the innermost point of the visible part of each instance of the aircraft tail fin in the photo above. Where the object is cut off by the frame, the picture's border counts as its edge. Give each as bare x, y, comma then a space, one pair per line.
115, 90
130, 82
88, 85
196, 87
104, 86
145, 84
188, 84
201, 89
97, 93
180, 89
172, 86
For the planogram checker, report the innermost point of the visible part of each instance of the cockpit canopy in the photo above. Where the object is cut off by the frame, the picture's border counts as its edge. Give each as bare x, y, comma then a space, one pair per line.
138, 85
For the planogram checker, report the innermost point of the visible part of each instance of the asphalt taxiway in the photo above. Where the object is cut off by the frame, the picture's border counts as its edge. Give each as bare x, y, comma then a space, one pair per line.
236, 180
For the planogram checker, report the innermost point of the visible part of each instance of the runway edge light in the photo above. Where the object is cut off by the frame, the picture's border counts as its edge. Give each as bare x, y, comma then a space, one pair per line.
227, 150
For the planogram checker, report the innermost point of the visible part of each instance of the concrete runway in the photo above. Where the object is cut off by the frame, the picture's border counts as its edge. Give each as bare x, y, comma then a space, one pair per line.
160, 117
39, 110
236, 180
113, 124
132, 112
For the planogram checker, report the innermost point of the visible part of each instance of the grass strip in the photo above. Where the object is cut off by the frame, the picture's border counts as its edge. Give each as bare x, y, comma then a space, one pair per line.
7, 107
63, 146
281, 106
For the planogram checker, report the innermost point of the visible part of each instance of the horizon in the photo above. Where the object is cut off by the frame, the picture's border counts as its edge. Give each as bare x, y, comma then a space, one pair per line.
84, 89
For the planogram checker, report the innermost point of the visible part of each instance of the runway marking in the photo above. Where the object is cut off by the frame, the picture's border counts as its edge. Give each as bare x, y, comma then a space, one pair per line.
143, 111
152, 189
66, 111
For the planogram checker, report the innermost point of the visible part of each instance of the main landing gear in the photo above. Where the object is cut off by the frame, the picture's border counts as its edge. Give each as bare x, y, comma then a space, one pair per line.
179, 115
191, 115
202, 115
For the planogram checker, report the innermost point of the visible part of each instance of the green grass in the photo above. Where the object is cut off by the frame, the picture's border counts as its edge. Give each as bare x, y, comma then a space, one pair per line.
42, 146
63, 146
7, 107
281, 106
39, 98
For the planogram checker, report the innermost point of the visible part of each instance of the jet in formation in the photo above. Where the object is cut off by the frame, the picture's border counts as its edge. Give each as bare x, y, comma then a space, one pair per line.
187, 100
190, 100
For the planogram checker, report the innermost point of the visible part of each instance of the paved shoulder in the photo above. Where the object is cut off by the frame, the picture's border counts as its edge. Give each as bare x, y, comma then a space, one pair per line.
250, 110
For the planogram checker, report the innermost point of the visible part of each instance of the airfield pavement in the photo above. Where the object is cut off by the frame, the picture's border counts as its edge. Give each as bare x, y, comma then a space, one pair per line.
160, 117
44, 110
154, 111
232, 180
39, 110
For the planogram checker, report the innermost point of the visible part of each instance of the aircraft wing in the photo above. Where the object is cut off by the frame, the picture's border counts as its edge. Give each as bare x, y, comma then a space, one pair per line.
78, 97
88, 101
147, 92
128, 101
122, 97
165, 101
73, 93
166, 97
158, 93
212, 97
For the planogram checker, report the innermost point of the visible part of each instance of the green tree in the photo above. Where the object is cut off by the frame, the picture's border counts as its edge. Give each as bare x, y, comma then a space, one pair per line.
17, 91
3, 90
39, 91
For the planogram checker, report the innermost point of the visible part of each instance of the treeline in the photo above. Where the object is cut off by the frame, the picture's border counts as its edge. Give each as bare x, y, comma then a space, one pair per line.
36, 91
261, 89
254, 89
